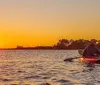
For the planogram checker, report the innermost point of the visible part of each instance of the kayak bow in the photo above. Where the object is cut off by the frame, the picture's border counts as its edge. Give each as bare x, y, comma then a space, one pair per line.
89, 60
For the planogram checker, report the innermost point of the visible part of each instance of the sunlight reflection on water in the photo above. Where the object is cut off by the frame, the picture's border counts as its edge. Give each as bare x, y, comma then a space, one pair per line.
44, 67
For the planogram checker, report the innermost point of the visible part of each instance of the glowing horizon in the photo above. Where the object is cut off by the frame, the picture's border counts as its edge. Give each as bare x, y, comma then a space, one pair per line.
44, 22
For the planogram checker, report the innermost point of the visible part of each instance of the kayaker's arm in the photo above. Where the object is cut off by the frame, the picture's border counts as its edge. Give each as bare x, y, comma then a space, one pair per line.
84, 52
97, 51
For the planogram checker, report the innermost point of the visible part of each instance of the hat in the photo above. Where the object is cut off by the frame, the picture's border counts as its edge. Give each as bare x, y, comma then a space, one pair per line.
93, 41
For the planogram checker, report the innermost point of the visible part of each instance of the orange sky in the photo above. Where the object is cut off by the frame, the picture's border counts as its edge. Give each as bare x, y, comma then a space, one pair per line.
44, 22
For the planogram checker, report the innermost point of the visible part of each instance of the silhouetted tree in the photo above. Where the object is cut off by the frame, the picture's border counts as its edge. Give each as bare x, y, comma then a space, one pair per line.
61, 45
75, 44
64, 44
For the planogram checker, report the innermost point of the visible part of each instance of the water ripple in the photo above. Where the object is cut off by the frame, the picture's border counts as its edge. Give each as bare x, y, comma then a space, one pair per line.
45, 67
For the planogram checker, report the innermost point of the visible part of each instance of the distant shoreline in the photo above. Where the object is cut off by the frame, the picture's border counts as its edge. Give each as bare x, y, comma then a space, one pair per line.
38, 49
62, 44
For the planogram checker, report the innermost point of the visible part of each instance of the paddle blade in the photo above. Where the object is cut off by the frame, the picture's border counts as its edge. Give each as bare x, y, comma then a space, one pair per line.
69, 59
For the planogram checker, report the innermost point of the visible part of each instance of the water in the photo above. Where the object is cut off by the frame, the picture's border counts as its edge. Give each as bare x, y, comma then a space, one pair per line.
44, 67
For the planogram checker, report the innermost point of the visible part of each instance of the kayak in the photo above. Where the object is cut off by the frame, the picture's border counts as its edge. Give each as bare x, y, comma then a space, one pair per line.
90, 60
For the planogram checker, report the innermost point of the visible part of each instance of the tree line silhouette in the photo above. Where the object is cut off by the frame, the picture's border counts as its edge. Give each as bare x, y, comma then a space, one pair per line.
64, 44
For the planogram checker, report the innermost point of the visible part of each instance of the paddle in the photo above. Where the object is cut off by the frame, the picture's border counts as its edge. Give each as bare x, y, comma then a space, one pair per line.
71, 59
79, 51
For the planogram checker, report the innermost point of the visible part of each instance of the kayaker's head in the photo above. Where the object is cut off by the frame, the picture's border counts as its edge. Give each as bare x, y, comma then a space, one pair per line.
93, 41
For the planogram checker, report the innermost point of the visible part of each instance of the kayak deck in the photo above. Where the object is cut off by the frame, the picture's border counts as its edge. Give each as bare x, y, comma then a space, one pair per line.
82, 59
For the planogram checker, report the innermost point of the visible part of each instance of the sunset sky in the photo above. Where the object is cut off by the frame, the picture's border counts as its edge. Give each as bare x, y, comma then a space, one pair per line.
44, 22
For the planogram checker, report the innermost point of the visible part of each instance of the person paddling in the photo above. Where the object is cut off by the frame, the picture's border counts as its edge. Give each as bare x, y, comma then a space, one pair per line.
91, 50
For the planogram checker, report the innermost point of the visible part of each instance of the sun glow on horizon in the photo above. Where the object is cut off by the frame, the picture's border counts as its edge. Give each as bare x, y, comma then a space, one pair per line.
44, 22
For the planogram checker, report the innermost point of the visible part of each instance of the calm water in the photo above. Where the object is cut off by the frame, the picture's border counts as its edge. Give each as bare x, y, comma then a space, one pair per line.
37, 67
